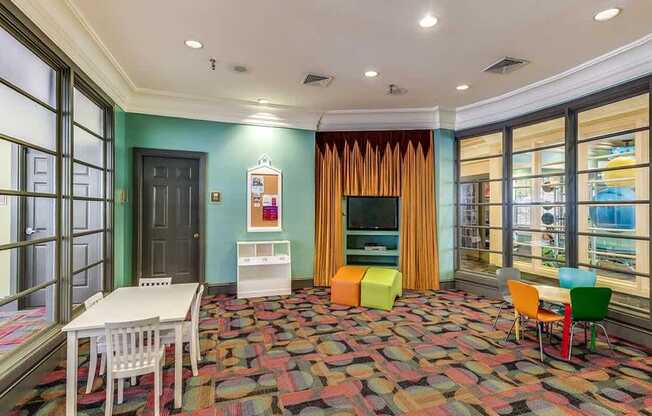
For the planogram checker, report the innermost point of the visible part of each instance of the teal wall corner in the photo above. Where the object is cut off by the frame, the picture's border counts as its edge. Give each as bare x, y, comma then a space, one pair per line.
121, 239
445, 188
231, 150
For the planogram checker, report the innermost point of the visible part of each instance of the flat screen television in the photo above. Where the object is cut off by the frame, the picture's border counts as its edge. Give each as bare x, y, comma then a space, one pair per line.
372, 213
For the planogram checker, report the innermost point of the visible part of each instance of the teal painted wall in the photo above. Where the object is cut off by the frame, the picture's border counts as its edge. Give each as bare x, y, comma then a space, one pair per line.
231, 149
122, 239
445, 202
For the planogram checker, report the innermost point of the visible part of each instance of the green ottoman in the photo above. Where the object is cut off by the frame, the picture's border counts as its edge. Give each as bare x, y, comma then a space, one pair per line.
380, 287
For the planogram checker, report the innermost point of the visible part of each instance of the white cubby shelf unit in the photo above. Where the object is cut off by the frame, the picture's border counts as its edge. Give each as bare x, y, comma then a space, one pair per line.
264, 268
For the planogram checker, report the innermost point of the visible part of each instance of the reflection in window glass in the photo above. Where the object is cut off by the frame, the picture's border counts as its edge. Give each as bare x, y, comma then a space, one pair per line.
539, 135
88, 114
618, 254
618, 151
623, 115
547, 189
480, 262
548, 245
540, 162
88, 148
614, 185
27, 120
25, 70
620, 219
483, 146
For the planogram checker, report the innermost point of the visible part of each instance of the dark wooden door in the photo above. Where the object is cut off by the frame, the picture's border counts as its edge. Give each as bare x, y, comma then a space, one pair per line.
170, 223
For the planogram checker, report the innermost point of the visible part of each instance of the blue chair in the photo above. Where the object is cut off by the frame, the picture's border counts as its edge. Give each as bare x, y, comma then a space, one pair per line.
570, 278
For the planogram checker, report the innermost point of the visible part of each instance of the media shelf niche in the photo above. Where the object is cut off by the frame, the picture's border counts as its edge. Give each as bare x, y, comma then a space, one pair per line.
264, 268
371, 231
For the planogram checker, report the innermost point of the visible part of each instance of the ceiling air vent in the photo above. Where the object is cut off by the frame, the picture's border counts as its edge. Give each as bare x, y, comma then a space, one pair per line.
506, 65
316, 80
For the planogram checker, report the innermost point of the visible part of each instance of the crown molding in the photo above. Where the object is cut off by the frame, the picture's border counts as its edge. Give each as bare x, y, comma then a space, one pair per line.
163, 103
387, 119
63, 26
615, 67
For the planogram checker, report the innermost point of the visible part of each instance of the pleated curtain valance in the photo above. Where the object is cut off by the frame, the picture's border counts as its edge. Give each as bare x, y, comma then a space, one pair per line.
379, 163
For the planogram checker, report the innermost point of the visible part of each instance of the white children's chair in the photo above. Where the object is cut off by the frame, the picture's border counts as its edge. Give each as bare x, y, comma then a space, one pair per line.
133, 349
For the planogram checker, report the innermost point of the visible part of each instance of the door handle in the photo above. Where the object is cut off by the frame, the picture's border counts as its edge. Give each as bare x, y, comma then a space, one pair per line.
30, 231
195, 236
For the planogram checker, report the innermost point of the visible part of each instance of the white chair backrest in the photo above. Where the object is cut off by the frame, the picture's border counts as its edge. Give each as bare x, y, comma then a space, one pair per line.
93, 299
132, 344
155, 281
196, 306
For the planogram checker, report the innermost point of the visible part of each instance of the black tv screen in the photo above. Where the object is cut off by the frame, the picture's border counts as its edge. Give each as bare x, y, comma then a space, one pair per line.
372, 213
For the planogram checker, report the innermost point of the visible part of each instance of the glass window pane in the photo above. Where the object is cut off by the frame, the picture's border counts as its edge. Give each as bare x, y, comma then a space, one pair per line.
32, 314
88, 114
480, 262
540, 217
480, 192
540, 162
489, 145
87, 283
620, 254
87, 215
538, 135
88, 148
550, 246
87, 181
546, 189
25, 267
87, 249
27, 120
621, 220
39, 221
537, 270
623, 150
485, 215
614, 185
482, 169
25, 70
611, 118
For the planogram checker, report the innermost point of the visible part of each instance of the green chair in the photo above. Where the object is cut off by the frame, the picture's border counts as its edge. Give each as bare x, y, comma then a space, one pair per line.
380, 287
589, 305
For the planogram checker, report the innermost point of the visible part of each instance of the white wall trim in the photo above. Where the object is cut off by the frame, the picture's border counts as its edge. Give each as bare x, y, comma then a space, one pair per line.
387, 119
68, 29
616, 67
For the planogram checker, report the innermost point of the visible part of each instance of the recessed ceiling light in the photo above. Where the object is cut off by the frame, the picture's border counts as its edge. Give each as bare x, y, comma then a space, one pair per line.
194, 44
462, 87
371, 74
607, 14
428, 21
262, 101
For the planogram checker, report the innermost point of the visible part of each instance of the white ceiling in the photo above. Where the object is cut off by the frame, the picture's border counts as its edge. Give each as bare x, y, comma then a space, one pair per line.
281, 40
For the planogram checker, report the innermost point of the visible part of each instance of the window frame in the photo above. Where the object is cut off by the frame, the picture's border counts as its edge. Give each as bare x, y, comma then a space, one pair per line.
21, 360
569, 111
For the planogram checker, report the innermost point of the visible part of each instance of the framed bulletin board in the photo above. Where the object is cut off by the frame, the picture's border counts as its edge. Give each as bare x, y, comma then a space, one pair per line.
264, 197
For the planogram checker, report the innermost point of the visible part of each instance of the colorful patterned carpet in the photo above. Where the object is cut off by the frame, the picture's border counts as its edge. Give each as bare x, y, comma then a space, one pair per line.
434, 354
17, 326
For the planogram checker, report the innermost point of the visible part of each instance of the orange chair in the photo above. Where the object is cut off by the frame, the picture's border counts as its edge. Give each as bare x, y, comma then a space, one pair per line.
526, 302
345, 286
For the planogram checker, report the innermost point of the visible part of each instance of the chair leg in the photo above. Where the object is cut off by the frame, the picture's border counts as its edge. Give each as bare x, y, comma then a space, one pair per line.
197, 344
586, 336
103, 363
108, 406
134, 380
539, 325
121, 390
157, 389
607, 336
570, 341
92, 365
193, 356
510, 329
498, 315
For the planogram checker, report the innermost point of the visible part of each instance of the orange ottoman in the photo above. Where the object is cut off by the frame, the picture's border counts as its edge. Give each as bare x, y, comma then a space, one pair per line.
345, 285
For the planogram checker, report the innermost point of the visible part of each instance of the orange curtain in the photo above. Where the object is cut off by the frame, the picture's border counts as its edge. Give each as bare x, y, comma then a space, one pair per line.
392, 163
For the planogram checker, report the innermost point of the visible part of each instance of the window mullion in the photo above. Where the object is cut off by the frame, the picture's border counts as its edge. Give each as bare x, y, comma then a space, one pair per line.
571, 188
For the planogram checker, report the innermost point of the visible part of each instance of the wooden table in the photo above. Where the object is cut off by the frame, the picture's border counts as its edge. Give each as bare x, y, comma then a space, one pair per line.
170, 303
554, 294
